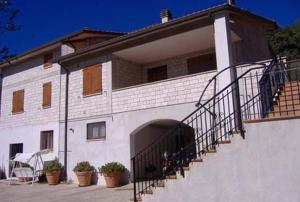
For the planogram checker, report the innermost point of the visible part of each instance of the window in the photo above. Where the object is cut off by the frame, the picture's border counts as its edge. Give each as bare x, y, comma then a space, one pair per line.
96, 131
47, 88
202, 63
47, 140
92, 80
48, 59
18, 101
157, 73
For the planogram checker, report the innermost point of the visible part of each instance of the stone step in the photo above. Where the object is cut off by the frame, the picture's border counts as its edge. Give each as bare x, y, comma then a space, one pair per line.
138, 199
149, 191
210, 151
171, 177
159, 184
197, 160
223, 141
284, 101
287, 108
283, 114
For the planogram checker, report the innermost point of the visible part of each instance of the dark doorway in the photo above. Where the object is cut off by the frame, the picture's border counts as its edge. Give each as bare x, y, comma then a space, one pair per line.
13, 150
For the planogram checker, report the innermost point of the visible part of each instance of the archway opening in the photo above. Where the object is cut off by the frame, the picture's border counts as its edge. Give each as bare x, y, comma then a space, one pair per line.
158, 142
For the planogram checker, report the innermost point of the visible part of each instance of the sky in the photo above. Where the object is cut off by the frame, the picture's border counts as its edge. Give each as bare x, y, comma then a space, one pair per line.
46, 20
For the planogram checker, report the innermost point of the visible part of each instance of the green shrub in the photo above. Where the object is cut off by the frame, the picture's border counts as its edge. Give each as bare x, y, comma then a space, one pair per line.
83, 166
53, 166
112, 167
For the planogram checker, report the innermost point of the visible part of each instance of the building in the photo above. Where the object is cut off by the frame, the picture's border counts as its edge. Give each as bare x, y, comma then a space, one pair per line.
103, 96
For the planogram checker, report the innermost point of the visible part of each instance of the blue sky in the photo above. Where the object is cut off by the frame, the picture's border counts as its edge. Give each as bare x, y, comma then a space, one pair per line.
43, 21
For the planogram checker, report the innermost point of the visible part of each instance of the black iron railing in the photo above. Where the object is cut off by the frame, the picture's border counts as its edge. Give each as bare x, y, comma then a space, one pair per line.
213, 122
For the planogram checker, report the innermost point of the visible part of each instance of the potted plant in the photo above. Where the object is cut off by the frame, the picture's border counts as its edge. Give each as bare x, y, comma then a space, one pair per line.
52, 171
112, 173
84, 173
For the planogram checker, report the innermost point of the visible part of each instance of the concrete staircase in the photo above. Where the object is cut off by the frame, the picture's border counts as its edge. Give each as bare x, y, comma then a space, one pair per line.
287, 102
240, 170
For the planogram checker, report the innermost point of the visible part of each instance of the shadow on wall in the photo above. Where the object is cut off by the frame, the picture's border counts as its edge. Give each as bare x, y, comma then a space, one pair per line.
2, 172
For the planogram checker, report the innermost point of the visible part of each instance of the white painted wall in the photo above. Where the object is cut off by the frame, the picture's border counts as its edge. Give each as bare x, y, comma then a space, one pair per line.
264, 167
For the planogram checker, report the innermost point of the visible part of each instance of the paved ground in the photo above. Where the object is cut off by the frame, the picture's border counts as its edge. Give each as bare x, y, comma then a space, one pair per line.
63, 192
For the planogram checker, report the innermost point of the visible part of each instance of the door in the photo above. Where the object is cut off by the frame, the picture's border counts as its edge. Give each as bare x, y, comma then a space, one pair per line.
13, 150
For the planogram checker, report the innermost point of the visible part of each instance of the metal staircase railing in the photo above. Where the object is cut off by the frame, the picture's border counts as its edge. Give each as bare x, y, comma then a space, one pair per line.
214, 121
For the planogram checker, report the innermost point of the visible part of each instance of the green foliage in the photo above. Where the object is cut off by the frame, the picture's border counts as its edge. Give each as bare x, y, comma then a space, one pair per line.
53, 166
112, 167
83, 166
24, 165
286, 41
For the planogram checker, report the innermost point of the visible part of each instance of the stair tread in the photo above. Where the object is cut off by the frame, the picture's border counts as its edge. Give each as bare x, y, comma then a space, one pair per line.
171, 177
224, 141
197, 160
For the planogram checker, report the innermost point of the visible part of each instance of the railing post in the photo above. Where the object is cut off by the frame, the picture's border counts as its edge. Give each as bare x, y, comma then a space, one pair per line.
134, 180
237, 104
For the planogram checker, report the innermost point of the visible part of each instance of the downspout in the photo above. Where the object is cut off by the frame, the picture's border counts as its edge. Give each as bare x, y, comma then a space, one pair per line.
66, 123
1, 76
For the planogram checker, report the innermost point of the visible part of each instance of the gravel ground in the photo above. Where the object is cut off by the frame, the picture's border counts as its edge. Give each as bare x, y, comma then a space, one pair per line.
63, 192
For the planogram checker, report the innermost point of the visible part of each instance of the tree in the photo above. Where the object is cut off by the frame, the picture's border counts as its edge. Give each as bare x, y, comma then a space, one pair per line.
286, 41
7, 24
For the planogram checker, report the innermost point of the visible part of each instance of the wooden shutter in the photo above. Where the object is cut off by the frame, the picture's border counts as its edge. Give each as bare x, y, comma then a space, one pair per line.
47, 90
18, 101
92, 79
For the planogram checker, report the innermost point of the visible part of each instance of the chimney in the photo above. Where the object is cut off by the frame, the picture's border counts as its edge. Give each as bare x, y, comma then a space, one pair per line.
165, 16
231, 2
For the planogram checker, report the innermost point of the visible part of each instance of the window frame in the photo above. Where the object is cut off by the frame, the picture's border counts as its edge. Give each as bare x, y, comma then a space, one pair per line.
202, 67
100, 138
157, 68
46, 132
48, 60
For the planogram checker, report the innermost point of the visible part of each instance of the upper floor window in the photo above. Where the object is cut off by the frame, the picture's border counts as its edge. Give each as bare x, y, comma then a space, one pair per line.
46, 140
92, 79
202, 63
48, 60
157, 73
47, 90
18, 101
96, 130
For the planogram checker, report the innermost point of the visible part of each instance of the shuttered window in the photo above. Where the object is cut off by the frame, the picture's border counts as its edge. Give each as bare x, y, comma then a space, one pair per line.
48, 59
157, 73
47, 90
18, 101
92, 80
46, 140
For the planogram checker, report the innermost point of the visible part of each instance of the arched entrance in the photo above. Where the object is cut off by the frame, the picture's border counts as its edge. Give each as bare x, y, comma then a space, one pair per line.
154, 142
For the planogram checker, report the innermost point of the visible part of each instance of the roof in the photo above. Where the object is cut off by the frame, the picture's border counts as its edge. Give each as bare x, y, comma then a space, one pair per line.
206, 13
58, 42
121, 38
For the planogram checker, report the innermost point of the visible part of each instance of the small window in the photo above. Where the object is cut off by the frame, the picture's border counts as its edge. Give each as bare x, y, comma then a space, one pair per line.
47, 88
96, 131
47, 140
18, 101
48, 60
202, 63
157, 73
92, 80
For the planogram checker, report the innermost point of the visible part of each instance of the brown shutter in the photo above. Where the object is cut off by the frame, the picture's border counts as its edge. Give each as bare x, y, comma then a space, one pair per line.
18, 101
47, 90
92, 79
97, 79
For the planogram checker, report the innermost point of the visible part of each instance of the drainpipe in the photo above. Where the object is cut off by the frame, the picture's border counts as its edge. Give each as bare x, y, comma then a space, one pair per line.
1, 76
66, 122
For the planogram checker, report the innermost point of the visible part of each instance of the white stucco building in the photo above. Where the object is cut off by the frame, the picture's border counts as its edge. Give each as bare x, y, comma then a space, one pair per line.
112, 94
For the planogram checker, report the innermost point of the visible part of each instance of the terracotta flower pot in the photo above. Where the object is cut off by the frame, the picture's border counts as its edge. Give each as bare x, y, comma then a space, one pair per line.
53, 177
84, 178
112, 179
